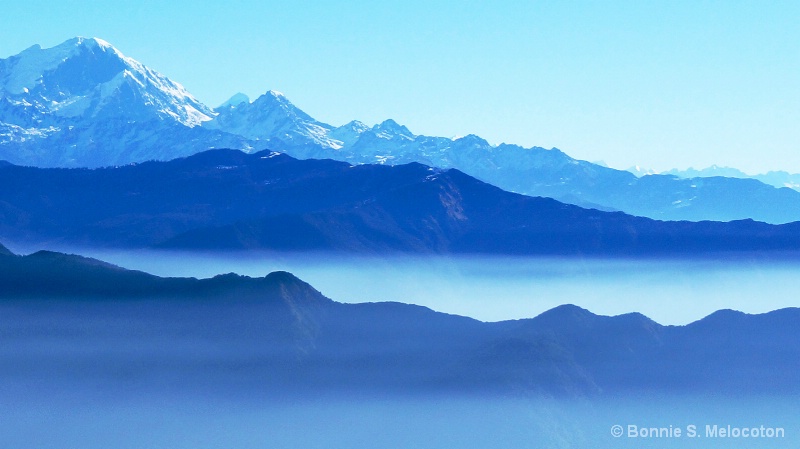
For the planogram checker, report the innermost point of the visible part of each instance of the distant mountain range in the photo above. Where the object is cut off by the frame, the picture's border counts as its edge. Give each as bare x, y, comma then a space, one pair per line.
774, 178
229, 200
278, 334
85, 104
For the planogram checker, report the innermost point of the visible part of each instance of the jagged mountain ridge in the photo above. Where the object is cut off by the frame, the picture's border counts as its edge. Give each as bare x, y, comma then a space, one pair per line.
84, 104
271, 116
81, 77
774, 178
552, 173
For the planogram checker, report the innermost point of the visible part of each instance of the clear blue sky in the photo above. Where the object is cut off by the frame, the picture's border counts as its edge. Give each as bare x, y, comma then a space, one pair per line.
658, 84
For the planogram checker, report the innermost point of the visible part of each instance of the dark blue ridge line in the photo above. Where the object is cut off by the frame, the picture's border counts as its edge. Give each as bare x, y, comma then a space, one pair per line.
277, 334
229, 200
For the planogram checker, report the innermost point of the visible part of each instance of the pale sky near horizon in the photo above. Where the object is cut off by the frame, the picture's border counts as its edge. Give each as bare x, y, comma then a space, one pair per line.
656, 84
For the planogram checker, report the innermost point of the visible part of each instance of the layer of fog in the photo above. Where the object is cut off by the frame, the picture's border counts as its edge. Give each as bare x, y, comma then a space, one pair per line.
496, 288
468, 423
76, 376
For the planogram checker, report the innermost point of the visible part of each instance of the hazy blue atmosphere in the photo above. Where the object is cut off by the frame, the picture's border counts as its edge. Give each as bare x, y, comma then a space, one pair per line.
495, 288
94, 374
276, 296
469, 423
656, 84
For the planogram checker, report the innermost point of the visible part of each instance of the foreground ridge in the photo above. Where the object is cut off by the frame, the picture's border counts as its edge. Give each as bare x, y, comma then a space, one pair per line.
293, 340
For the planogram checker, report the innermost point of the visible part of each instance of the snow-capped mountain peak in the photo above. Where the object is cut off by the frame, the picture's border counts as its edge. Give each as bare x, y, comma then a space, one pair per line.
349, 133
272, 117
89, 76
473, 140
83, 102
22, 73
26, 71
356, 126
640, 171
389, 129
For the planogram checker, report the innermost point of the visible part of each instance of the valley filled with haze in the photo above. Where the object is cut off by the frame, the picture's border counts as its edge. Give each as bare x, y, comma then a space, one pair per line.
175, 274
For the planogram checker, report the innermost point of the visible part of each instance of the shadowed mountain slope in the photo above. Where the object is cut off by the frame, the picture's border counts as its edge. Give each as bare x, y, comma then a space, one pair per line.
226, 199
91, 321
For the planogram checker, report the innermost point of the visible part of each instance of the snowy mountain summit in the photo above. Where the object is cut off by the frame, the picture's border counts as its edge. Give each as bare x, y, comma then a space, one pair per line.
89, 77
84, 103
271, 116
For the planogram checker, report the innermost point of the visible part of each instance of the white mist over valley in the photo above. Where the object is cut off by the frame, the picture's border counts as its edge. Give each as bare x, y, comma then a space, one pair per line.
669, 291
